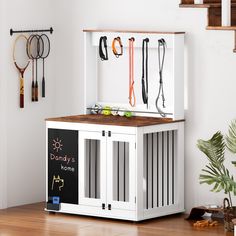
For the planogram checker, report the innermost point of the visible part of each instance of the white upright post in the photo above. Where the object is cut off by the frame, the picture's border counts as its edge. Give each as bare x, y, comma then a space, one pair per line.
198, 1
226, 13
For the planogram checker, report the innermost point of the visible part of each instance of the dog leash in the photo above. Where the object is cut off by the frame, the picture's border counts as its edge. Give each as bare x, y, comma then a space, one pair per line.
115, 51
132, 98
145, 71
161, 60
103, 44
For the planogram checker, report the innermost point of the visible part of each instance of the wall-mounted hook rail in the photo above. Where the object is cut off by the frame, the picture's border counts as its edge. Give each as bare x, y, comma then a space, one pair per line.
134, 111
30, 31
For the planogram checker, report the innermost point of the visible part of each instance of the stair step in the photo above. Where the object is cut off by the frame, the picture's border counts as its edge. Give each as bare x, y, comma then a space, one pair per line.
205, 5
199, 5
221, 28
214, 14
204, 2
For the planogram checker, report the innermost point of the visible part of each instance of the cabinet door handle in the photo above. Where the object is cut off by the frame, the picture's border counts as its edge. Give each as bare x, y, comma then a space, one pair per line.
103, 206
109, 207
109, 133
103, 133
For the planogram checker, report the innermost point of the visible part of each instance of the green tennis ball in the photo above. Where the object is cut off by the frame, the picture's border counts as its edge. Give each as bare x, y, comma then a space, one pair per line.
128, 114
106, 111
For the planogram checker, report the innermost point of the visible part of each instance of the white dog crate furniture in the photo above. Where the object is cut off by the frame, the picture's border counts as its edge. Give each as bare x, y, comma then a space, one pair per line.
113, 166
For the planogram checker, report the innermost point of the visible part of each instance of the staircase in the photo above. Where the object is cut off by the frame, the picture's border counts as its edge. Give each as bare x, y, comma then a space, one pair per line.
215, 14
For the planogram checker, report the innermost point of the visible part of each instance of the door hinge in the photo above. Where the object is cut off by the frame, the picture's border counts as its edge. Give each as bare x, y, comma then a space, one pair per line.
109, 207
103, 206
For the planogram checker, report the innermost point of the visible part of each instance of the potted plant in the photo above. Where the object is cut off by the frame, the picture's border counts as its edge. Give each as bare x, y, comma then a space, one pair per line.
215, 173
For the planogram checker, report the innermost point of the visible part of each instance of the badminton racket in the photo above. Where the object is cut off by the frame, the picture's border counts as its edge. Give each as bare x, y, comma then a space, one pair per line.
45, 54
21, 62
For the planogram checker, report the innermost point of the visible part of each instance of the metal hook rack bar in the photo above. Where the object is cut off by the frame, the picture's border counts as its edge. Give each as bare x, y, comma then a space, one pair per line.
134, 111
30, 31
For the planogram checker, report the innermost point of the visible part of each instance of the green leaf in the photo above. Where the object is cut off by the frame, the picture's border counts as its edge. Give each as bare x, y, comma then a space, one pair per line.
234, 163
231, 137
214, 149
216, 173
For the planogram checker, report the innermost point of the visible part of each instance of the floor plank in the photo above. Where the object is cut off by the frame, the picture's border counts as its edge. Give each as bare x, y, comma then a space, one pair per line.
33, 220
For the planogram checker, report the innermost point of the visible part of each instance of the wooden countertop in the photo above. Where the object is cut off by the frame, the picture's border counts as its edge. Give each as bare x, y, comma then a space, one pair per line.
136, 121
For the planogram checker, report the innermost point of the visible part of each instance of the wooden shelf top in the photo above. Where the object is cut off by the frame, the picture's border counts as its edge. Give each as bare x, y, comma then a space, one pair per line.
130, 31
136, 121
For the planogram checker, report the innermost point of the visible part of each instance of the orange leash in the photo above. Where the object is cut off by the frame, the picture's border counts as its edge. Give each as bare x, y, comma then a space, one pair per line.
116, 53
132, 98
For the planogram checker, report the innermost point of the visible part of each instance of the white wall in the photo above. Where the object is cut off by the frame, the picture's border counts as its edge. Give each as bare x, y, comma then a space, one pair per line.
22, 146
210, 82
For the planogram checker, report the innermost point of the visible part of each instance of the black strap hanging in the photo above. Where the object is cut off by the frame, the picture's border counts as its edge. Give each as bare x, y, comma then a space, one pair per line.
161, 60
145, 71
103, 44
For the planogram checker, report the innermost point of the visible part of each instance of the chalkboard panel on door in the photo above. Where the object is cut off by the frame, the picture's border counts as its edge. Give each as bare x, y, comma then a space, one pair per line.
63, 165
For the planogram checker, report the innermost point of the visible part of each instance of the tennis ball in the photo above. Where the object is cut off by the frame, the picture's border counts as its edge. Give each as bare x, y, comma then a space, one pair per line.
106, 111
121, 112
128, 114
114, 111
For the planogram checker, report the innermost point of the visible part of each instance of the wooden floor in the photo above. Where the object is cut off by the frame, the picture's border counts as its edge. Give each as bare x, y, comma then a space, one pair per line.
32, 220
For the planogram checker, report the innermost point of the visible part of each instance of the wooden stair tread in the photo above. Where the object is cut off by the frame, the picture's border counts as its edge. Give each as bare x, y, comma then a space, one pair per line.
221, 28
205, 5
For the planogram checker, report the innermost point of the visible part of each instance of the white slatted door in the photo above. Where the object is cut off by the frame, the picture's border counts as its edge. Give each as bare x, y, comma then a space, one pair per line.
160, 169
121, 171
92, 168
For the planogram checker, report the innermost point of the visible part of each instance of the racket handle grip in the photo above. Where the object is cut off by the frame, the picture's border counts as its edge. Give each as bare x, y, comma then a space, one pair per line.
43, 87
32, 92
21, 100
21, 93
36, 91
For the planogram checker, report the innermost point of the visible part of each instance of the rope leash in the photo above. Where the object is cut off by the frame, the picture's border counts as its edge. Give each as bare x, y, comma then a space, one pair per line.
145, 71
161, 60
132, 98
